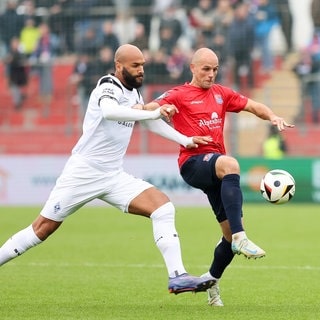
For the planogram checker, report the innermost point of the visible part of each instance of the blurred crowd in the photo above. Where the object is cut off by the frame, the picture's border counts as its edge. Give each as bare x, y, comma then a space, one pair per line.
167, 31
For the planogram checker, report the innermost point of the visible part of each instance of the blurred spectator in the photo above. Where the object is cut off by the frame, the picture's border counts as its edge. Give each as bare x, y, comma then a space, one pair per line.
308, 70
84, 25
315, 14
60, 26
95, 69
58, 14
28, 10
124, 26
105, 63
42, 58
185, 73
29, 37
265, 19
160, 6
88, 42
167, 39
156, 71
176, 64
17, 73
222, 18
109, 38
274, 147
87, 70
170, 28
142, 11
241, 45
140, 40
201, 18
285, 19
10, 23
77, 80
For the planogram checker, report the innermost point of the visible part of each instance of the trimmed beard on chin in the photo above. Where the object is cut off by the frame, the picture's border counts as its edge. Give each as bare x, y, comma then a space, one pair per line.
130, 80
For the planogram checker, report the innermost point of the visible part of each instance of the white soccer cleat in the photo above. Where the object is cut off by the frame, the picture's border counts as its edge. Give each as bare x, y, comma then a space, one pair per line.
213, 292
214, 298
247, 248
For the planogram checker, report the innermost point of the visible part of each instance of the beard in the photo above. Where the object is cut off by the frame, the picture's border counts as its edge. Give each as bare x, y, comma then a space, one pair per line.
130, 80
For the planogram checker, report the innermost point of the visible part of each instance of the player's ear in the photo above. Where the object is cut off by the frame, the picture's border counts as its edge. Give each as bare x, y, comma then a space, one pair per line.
192, 66
118, 65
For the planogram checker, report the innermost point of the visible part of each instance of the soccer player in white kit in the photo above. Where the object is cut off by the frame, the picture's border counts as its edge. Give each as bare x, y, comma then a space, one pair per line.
94, 170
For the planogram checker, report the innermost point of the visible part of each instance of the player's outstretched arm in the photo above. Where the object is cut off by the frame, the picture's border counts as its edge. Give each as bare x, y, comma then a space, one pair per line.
163, 129
167, 110
111, 110
264, 112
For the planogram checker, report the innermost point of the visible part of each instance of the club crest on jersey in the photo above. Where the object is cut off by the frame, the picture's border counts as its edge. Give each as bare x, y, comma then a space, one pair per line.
218, 98
57, 208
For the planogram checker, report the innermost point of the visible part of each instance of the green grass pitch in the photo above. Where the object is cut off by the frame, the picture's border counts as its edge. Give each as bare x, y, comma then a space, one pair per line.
102, 264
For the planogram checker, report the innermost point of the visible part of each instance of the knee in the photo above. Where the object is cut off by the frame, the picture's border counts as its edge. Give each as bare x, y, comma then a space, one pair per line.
166, 211
227, 165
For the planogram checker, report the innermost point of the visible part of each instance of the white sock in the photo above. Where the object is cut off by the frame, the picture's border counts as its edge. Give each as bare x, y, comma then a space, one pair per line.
167, 239
209, 276
18, 244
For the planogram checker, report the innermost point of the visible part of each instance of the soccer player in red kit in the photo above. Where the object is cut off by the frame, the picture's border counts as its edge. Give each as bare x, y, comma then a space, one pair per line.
199, 108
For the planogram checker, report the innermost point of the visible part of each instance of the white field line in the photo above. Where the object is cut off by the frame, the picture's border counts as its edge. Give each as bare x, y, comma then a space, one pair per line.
151, 266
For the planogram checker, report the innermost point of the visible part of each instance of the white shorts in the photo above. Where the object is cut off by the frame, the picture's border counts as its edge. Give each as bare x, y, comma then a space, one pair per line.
81, 183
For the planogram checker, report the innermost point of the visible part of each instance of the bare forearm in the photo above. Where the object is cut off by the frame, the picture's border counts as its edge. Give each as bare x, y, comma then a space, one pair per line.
265, 113
260, 110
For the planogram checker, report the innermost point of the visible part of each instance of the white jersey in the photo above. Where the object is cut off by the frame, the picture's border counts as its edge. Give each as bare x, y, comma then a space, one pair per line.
105, 142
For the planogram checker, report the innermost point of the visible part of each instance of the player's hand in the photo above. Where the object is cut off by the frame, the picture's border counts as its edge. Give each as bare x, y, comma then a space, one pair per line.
168, 110
281, 123
199, 140
138, 106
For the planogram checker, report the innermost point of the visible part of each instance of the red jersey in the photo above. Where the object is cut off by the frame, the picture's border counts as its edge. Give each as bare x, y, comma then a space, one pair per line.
202, 113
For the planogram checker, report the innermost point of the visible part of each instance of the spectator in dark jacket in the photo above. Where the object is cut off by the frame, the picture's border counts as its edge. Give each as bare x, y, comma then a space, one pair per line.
285, 19
11, 23
17, 73
241, 44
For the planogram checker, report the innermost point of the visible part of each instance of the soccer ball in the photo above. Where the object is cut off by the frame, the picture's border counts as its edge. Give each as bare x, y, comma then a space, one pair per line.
277, 186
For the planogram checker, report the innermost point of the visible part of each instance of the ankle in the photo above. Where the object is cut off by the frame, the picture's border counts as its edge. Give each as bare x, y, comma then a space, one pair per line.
238, 236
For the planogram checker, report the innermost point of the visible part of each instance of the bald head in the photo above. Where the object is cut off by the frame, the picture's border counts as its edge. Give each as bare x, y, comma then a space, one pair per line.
204, 68
127, 52
204, 55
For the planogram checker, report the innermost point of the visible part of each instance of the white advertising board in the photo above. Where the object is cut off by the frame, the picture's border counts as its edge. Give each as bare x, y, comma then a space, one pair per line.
28, 180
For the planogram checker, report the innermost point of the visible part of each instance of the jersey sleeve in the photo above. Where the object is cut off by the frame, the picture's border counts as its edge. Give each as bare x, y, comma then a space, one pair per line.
235, 101
108, 88
168, 97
